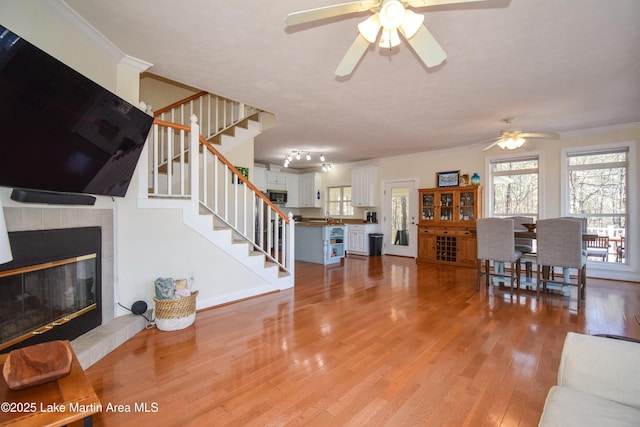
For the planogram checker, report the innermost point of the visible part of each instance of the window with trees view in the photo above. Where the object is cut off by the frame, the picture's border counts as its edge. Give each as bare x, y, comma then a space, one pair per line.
514, 187
597, 189
340, 201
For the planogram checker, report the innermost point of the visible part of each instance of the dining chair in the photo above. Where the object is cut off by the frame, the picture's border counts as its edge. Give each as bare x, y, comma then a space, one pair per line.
496, 242
524, 245
559, 244
598, 248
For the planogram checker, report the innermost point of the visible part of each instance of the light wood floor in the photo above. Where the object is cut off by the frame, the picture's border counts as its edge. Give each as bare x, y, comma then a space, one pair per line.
381, 341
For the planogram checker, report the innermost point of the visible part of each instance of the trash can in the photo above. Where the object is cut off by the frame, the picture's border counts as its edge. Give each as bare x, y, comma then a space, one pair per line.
375, 244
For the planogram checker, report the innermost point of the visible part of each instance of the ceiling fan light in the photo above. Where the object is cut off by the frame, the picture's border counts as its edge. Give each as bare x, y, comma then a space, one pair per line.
511, 143
308, 156
412, 23
389, 38
370, 28
392, 14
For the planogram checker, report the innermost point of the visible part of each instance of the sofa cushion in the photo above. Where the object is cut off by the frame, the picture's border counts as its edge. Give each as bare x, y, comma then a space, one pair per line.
568, 407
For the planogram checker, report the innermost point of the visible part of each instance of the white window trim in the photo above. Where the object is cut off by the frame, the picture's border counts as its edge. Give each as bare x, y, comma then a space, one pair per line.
488, 201
609, 270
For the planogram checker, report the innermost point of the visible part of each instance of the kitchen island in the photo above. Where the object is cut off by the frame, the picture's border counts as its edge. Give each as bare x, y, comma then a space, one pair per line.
319, 242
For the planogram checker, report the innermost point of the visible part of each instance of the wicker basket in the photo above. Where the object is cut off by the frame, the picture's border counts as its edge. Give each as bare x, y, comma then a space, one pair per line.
175, 314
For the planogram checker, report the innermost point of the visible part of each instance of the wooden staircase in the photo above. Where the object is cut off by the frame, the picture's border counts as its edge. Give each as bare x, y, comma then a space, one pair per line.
217, 200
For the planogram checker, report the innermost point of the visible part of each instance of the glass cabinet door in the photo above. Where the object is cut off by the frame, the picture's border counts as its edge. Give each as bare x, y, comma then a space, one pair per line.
467, 206
428, 207
447, 207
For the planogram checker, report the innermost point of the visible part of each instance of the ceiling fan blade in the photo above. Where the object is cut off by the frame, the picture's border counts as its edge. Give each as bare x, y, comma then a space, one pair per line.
425, 3
352, 57
490, 146
296, 18
540, 135
427, 48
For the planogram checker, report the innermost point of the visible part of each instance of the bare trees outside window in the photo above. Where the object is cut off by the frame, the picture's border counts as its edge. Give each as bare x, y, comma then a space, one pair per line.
597, 182
514, 187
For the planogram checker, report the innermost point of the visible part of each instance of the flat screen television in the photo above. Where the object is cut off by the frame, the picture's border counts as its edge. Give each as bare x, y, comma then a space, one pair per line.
60, 131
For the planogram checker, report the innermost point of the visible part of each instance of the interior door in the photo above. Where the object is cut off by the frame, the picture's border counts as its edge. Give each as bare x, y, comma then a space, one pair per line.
400, 207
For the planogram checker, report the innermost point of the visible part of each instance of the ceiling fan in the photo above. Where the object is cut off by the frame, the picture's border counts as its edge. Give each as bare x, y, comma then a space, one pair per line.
512, 138
392, 17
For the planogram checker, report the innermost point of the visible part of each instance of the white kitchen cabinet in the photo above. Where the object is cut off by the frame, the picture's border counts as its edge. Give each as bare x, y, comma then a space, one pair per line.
259, 178
293, 192
309, 190
276, 180
363, 186
358, 238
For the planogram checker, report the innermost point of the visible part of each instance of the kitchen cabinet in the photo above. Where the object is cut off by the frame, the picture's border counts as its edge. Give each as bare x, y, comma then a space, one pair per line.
292, 187
259, 178
320, 244
363, 186
447, 226
358, 238
309, 190
276, 180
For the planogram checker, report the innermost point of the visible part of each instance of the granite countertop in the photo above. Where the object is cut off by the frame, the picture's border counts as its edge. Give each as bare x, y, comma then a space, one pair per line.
304, 223
313, 222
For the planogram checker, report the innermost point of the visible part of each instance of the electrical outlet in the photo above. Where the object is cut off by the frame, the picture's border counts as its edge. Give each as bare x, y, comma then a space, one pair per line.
191, 277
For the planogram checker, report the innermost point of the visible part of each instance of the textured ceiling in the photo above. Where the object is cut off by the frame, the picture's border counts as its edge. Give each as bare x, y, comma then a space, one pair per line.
557, 65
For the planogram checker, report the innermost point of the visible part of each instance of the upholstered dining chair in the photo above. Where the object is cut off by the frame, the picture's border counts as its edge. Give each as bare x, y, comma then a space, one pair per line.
559, 243
524, 245
496, 242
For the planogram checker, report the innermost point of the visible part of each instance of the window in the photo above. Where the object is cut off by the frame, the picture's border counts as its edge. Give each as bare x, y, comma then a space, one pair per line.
514, 187
340, 201
597, 190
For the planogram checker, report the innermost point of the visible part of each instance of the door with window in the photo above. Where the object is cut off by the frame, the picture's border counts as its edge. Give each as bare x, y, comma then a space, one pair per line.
400, 208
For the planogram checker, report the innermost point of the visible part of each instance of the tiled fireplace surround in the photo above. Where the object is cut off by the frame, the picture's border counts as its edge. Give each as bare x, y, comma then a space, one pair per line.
97, 343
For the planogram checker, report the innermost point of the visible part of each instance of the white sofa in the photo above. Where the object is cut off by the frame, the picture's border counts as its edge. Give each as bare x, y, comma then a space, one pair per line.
598, 384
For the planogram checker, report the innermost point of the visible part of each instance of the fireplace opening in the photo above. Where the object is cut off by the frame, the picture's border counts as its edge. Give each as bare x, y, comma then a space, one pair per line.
52, 288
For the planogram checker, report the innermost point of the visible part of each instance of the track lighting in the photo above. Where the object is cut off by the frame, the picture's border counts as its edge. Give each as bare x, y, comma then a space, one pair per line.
297, 155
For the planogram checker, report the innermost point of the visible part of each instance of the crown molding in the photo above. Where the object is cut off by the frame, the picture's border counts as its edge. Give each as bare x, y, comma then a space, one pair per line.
66, 14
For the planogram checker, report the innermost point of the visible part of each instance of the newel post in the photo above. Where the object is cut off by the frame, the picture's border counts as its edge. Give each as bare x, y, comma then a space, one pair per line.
194, 163
291, 235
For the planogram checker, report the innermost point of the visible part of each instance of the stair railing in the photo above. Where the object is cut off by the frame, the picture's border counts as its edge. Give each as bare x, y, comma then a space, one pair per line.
217, 114
219, 188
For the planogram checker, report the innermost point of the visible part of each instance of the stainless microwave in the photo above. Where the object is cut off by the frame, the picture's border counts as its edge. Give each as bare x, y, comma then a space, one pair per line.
277, 196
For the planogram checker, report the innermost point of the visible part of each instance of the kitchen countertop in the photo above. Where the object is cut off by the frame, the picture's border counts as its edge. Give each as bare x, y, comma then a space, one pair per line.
322, 223
318, 224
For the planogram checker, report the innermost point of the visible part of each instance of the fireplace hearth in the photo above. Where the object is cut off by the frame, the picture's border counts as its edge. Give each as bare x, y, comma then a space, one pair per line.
52, 288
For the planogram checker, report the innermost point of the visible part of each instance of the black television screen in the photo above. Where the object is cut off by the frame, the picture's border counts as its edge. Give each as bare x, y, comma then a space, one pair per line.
60, 131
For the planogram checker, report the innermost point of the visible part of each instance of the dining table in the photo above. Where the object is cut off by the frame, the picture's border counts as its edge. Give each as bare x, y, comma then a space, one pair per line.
526, 234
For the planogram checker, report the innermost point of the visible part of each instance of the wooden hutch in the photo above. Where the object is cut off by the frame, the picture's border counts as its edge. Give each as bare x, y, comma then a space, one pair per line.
447, 226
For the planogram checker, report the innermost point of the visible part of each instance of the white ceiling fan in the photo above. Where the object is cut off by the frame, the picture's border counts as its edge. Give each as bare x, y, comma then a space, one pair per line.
512, 138
392, 17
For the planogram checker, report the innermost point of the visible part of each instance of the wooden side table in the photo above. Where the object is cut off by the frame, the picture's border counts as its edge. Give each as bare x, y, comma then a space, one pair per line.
55, 403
